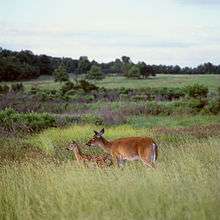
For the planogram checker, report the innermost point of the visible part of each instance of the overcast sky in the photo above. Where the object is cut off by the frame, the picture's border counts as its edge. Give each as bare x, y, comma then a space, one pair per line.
184, 32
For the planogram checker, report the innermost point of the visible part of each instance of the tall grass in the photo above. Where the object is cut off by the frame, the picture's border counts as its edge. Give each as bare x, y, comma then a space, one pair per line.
185, 185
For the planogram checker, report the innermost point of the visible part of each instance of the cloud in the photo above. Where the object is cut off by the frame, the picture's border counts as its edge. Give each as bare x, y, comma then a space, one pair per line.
200, 2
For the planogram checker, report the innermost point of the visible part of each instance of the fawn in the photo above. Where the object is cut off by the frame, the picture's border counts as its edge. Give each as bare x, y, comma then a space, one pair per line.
101, 161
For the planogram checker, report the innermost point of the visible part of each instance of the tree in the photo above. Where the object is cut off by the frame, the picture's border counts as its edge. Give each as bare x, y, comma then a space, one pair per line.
126, 65
83, 65
60, 74
126, 59
134, 72
116, 66
145, 70
45, 65
95, 73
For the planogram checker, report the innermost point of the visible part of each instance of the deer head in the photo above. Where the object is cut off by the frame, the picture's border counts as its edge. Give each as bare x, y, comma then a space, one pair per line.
72, 146
97, 139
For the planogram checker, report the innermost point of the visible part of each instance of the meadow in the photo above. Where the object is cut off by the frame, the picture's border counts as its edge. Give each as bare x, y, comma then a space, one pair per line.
40, 179
161, 80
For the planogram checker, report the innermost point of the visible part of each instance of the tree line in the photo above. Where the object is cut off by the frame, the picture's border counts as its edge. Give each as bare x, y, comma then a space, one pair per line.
25, 65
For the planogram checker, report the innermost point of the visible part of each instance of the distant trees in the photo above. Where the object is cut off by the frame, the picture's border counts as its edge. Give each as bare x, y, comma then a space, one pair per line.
95, 73
140, 70
60, 74
25, 65
145, 70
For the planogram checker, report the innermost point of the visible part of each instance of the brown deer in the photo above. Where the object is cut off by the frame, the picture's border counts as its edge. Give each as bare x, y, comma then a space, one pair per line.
130, 148
100, 161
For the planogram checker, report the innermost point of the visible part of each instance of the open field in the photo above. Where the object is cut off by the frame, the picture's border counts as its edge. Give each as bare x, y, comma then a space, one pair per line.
185, 184
212, 81
40, 179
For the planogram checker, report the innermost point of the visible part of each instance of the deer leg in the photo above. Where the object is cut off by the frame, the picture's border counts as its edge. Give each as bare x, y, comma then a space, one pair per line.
121, 162
114, 160
148, 163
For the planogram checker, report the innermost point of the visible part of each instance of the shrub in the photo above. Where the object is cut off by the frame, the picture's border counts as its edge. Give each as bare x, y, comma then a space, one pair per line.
60, 74
4, 89
213, 106
34, 90
12, 120
17, 87
79, 85
87, 86
92, 119
134, 72
95, 73
67, 87
197, 91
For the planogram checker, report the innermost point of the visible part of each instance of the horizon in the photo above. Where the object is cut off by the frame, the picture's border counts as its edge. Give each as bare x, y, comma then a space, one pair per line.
174, 32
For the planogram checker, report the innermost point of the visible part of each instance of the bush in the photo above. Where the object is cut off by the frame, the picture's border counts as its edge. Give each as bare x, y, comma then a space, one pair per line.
92, 119
60, 74
87, 86
79, 85
67, 87
213, 106
95, 73
34, 90
134, 72
17, 87
197, 91
13, 121
4, 89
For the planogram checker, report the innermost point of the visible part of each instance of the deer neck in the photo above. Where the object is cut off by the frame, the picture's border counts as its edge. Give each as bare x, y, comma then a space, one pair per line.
105, 145
77, 153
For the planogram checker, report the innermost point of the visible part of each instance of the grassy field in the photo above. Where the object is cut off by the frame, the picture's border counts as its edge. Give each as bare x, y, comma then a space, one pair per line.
185, 184
212, 81
40, 179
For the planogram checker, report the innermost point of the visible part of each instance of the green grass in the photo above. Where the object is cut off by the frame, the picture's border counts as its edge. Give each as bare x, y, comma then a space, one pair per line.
185, 185
212, 81
173, 121
162, 81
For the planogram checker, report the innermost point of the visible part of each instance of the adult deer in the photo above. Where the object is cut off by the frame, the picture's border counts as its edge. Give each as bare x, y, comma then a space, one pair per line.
130, 148
101, 161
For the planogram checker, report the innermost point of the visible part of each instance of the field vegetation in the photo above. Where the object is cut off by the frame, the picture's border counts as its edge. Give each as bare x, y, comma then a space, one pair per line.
40, 179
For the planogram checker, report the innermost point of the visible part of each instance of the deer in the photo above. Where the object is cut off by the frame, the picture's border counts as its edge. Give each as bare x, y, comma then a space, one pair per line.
127, 149
100, 161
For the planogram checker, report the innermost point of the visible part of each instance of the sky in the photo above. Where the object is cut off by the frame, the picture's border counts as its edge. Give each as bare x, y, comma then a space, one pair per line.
183, 32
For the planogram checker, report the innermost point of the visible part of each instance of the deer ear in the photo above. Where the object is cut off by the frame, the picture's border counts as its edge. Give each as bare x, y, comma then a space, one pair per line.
102, 131
96, 133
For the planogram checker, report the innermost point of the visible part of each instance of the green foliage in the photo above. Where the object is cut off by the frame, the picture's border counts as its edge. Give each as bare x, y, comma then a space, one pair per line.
4, 89
67, 87
87, 86
34, 90
17, 87
84, 85
12, 120
95, 73
134, 72
60, 74
213, 106
83, 65
197, 91
91, 119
